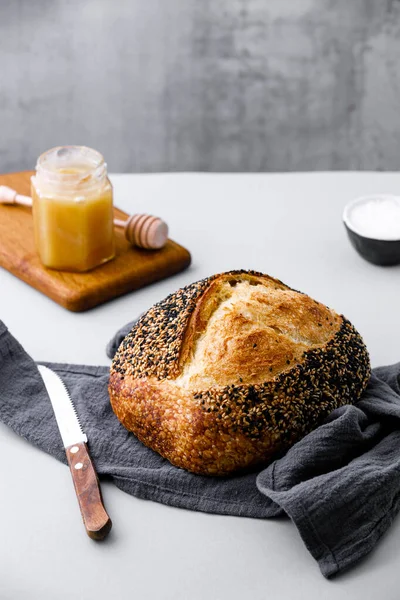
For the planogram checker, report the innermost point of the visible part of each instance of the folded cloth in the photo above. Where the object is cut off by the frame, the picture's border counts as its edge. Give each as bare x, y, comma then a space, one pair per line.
114, 343
340, 484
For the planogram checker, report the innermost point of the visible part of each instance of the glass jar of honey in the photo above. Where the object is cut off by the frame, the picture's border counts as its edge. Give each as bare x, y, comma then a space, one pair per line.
73, 209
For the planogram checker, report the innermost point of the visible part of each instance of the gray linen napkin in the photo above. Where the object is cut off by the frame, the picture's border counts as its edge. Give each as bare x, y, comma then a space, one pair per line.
340, 484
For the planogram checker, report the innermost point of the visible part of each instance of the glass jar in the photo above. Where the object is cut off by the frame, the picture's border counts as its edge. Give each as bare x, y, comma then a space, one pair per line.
73, 209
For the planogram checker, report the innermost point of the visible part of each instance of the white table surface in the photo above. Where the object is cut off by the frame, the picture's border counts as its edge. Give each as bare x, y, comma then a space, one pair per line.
287, 225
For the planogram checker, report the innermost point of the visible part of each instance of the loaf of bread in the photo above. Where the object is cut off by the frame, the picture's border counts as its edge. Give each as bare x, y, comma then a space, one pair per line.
229, 372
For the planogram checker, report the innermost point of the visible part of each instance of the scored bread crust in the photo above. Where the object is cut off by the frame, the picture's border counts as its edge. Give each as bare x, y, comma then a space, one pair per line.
231, 370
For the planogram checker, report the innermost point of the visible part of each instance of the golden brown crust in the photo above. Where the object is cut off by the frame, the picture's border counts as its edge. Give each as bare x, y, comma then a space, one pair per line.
229, 371
248, 329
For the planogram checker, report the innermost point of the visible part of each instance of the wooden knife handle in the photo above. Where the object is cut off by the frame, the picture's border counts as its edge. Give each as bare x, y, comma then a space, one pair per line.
87, 488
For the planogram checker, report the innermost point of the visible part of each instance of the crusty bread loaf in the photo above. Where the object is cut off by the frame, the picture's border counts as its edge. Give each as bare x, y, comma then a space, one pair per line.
231, 370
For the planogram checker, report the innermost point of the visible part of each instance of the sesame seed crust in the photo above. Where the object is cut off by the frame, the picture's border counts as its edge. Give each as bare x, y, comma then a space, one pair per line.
227, 428
152, 347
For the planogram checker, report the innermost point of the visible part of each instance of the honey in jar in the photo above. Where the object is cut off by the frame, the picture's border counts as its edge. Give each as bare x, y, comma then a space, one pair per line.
73, 209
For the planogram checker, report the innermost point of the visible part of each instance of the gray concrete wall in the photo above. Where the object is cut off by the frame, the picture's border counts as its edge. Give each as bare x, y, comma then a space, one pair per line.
219, 85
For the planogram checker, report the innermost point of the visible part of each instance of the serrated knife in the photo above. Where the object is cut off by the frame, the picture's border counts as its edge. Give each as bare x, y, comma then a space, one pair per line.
87, 488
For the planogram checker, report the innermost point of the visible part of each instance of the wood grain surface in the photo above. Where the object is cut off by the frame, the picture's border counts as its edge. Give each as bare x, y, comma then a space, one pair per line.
95, 518
131, 269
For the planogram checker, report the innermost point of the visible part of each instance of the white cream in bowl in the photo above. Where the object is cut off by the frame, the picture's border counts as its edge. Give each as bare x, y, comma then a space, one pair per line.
375, 217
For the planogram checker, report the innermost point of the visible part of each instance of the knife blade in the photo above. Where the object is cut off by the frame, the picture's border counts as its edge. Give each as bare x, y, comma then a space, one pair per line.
87, 487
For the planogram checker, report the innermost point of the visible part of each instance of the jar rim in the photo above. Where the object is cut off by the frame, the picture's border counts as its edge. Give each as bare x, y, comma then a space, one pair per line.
89, 162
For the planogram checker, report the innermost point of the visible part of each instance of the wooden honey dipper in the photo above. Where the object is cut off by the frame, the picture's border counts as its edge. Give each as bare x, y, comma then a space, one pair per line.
144, 231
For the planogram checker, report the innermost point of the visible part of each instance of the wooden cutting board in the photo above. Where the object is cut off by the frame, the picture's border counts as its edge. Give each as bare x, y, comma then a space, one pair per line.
131, 269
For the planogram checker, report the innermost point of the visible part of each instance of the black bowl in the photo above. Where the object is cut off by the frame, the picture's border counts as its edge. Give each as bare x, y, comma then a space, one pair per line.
377, 251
